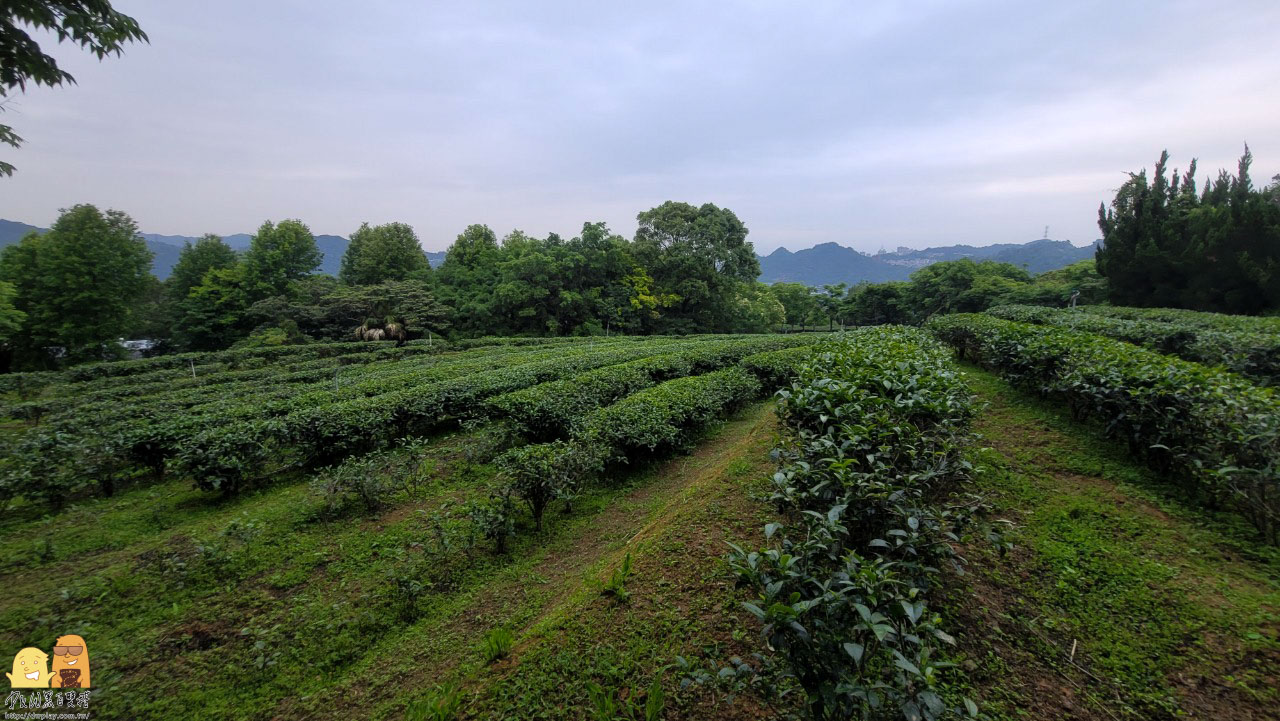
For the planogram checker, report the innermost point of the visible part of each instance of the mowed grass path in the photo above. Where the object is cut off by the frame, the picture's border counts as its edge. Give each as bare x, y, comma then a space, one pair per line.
264, 606
1118, 601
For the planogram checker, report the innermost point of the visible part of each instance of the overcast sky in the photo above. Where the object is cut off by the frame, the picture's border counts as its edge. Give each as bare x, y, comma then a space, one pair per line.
865, 123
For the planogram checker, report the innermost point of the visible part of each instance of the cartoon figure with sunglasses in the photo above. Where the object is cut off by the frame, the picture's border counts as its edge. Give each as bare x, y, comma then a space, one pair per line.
70, 663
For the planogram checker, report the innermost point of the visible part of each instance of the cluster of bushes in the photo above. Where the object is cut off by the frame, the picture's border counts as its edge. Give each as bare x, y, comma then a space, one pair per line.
1215, 431
550, 410
228, 429
657, 418
536, 475
1240, 344
1195, 318
878, 425
660, 416
324, 432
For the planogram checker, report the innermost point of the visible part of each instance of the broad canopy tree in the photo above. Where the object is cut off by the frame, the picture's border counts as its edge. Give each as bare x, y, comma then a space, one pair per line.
701, 257
77, 284
381, 253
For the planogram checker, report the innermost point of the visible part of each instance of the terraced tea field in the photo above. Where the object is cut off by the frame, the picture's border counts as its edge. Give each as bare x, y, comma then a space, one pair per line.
857, 525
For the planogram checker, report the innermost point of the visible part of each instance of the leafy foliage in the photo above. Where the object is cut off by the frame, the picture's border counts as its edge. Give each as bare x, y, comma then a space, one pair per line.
76, 284
208, 253
1166, 245
1214, 431
441, 703
278, 254
608, 704
878, 427
551, 410
382, 253
616, 586
540, 473
11, 318
92, 24
661, 417
497, 645
700, 257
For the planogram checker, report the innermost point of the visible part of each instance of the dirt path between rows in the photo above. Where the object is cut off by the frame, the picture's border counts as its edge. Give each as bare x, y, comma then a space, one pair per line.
547, 587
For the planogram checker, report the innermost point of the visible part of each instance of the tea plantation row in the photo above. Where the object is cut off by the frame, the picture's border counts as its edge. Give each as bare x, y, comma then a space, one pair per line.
877, 434
1214, 431
1241, 344
230, 433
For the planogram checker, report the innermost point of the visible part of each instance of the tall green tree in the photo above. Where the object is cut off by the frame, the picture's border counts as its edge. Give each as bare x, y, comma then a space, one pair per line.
214, 313
209, 252
11, 318
798, 302
381, 253
1164, 245
467, 277
609, 289
699, 255
77, 283
831, 301
963, 286
878, 303
277, 255
1054, 288
92, 24
757, 310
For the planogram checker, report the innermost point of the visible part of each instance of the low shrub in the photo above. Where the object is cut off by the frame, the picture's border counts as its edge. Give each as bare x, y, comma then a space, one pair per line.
1214, 431
877, 428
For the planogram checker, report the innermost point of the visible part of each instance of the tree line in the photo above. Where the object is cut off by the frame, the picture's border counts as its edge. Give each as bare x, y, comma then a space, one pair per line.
70, 294
953, 286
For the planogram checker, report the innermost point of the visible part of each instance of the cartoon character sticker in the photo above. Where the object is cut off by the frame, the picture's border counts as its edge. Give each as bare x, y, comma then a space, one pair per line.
30, 669
70, 663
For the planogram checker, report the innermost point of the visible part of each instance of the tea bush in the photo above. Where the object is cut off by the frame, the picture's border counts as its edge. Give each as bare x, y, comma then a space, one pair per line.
1245, 346
878, 424
1214, 431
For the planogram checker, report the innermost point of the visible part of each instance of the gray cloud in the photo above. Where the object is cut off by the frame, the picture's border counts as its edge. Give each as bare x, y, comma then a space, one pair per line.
868, 124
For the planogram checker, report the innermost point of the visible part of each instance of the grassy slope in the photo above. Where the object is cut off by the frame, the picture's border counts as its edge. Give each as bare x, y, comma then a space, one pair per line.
1118, 601
682, 600
263, 607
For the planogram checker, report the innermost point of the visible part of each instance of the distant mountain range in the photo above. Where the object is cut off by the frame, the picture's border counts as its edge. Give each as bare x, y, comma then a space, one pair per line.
830, 263
820, 265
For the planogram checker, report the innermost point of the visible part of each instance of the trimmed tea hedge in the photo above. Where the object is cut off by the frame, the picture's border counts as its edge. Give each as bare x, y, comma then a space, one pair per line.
1251, 352
878, 429
1215, 431
659, 417
550, 410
